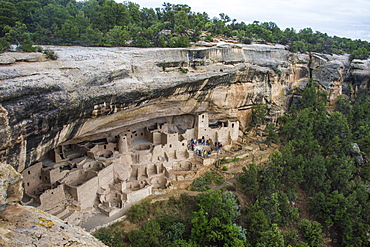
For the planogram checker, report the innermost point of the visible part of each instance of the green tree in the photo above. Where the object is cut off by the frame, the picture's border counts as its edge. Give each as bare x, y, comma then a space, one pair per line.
314, 175
258, 114
312, 232
149, 235
20, 36
69, 32
299, 46
343, 105
208, 231
52, 14
117, 36
340, 170
272, 136
212, 223
4, 45
8, 15
248, 179
271, 238
256, 224
360, 53
91, 37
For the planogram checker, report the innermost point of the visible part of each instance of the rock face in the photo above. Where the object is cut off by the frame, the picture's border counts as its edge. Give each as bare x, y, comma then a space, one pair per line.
11, 189
95, 90
28, 226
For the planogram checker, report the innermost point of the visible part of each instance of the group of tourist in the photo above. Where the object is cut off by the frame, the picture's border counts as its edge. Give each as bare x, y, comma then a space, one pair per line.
218, 146
201, 152
202, 141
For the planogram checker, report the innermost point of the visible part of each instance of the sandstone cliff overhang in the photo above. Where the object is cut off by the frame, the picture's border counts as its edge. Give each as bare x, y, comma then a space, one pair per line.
91, 90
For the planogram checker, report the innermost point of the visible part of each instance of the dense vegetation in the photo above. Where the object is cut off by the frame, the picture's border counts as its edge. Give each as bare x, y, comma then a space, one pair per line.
107, 23
320, 164
313, 192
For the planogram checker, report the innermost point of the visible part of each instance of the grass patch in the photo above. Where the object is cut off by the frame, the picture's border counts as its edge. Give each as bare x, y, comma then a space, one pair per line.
226, 161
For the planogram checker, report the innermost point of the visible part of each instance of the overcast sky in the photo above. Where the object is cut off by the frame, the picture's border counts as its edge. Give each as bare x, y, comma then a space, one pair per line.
343, 18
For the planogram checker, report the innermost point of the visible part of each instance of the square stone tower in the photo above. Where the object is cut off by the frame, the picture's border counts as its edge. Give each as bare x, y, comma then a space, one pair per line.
202, 126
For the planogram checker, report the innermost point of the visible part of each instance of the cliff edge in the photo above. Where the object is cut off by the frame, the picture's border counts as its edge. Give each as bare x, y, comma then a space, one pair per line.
28, 226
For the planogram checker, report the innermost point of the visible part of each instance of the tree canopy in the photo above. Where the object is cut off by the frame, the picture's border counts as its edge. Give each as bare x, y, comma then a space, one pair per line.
108, 23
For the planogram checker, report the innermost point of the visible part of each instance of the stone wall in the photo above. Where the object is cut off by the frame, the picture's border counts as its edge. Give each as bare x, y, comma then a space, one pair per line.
86, 193
33, 178
137, 195
52, 198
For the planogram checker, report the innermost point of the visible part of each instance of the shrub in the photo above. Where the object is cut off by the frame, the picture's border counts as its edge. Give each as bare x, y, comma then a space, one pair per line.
50, 54
4, 45
109, 238
27, 47
137, 213
205, 182
209, 38
184, 70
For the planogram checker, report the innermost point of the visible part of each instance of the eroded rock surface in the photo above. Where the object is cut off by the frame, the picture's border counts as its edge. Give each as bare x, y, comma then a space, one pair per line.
95, 90
26, 226
11, 189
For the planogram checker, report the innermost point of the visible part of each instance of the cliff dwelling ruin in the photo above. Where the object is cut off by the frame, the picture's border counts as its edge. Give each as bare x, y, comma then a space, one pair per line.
113, 170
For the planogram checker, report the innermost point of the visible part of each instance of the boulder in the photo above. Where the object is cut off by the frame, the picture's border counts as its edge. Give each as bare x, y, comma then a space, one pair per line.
356, 153
11, 189
263, 147
5, 59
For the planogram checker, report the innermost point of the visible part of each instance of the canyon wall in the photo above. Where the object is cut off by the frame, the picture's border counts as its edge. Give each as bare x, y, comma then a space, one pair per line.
88, 91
